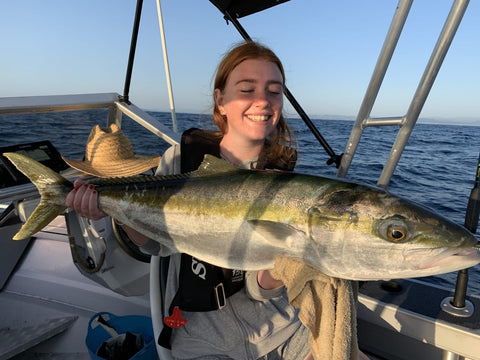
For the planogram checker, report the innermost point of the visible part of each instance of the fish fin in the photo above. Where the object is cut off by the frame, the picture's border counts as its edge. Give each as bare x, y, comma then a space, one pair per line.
213, 165
328, 215
210, 165
278, 234
53, 189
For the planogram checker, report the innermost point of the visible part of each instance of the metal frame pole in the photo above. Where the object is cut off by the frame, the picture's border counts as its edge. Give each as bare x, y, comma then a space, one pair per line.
167, 69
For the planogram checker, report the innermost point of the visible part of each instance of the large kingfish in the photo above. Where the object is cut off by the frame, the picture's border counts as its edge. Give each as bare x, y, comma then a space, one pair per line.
244, 219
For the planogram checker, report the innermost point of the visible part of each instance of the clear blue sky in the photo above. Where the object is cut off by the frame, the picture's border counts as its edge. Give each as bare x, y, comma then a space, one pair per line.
328, 48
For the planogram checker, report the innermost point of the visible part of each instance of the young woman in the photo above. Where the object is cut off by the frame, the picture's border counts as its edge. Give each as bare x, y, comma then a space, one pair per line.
253, 319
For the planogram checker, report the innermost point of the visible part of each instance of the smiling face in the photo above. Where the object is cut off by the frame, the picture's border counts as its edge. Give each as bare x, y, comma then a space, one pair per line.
252, 100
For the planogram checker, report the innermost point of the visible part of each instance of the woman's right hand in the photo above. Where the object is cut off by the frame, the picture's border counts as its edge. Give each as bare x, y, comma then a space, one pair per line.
84, 200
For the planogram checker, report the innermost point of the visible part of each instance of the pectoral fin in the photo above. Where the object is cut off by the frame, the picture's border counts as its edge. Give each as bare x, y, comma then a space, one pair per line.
278, 234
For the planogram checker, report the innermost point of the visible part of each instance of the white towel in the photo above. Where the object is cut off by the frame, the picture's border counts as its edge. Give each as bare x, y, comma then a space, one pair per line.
327, 308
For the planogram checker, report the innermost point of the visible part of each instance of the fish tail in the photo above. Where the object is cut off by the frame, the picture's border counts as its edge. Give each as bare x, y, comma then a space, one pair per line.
53, 189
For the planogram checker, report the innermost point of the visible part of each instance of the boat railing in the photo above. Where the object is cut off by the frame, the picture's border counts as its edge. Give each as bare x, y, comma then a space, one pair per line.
59, 103
461, 309
408, 121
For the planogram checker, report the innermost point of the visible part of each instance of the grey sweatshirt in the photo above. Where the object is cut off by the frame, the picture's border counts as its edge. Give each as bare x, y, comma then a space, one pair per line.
254, 322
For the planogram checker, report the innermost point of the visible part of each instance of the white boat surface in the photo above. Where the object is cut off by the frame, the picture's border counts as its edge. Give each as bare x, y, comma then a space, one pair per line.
46, 302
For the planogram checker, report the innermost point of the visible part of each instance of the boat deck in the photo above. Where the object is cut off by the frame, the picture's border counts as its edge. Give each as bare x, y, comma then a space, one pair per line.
46, 305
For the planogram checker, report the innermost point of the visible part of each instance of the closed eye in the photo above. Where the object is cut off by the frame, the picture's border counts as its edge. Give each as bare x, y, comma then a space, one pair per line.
275, 90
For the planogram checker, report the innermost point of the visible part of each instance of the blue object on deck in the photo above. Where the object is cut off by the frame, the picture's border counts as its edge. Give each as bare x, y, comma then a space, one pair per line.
136, 324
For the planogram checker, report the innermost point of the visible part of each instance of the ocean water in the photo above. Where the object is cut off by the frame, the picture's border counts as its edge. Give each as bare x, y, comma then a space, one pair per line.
437, 169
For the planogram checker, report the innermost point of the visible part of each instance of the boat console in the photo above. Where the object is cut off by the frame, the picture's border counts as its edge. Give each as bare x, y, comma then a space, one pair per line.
41, 151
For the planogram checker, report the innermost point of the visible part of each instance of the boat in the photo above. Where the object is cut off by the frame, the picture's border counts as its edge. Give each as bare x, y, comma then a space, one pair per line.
53, 284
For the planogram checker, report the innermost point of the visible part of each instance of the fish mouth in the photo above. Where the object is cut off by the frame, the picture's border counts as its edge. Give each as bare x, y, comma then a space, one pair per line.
454, 259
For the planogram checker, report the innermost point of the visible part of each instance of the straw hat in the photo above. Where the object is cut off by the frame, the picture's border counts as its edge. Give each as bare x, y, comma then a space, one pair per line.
109, 153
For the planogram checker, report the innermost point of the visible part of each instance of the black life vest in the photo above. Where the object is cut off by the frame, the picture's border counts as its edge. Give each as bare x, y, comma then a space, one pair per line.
202, 286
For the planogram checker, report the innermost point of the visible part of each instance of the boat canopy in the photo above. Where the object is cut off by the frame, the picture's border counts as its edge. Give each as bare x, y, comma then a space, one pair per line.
241, 8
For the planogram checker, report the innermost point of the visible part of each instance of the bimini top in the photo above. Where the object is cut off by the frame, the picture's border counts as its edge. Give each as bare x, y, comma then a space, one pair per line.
241, 8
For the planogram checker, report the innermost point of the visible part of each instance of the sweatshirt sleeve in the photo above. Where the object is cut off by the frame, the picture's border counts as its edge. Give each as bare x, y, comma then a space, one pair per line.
255, 292
170, 161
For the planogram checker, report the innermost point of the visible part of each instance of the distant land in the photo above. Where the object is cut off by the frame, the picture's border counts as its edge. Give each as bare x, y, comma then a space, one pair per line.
444, 121
464, 121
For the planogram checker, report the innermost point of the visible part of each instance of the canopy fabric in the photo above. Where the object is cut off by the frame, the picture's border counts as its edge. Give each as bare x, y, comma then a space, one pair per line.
241, 8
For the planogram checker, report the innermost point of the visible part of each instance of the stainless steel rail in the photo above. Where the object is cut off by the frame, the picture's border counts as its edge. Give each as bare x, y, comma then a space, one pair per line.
408, 121
58, 103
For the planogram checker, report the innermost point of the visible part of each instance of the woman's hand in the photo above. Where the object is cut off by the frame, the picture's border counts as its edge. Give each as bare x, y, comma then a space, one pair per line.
266, 281
84, 200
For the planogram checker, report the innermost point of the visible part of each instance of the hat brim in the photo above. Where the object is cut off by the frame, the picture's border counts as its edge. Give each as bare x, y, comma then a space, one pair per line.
121, 168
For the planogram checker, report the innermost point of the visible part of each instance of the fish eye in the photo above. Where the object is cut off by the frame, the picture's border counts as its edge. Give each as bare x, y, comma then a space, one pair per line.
396, 233
394, 230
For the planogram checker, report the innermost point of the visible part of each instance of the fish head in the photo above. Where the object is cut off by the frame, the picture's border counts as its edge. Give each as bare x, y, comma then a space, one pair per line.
364, 233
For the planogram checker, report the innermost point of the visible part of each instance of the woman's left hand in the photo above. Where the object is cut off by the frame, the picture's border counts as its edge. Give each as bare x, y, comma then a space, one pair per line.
266, 281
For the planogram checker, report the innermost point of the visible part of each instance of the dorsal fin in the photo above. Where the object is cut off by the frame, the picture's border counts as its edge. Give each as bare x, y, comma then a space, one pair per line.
213, 165
210, 165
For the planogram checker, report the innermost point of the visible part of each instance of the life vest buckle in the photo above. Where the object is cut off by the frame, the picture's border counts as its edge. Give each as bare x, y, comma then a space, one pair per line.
219, 291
